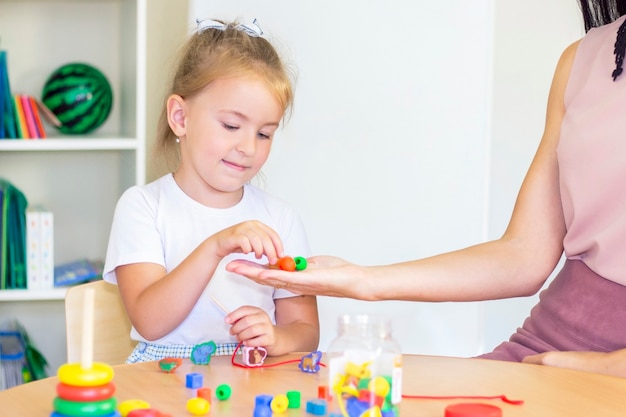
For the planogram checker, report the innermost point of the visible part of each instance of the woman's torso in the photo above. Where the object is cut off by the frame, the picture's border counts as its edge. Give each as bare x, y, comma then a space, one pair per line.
592, 157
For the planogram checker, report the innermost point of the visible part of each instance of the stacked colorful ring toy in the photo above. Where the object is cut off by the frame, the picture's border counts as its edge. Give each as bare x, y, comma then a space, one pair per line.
85, 392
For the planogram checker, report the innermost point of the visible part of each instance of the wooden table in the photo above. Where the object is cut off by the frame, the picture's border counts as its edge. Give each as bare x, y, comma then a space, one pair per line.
546, 391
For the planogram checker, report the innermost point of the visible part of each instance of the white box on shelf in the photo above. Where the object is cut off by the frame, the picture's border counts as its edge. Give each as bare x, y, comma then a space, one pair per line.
39, 249
47, 249
33, 250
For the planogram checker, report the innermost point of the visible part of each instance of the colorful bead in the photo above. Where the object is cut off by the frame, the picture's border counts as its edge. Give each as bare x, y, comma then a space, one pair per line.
279, 403
368, 397
254, 355
300, 262
391, 412
354, 407
127, 406
322, 392
316, 407
262, 405
310, 362
193, 380
262, 400
262, 412
198, 406
287, 264
223, 392
201, 353
294, 399
170, 364
379, 386
205, 393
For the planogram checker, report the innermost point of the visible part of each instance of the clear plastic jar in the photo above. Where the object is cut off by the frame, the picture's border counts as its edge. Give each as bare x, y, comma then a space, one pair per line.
364, 367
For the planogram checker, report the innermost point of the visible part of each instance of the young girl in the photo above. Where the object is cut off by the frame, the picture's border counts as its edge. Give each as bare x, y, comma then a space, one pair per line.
170, 239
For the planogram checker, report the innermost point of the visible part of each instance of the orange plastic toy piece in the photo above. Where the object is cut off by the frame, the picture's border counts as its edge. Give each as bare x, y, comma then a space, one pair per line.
287, 264
170, 364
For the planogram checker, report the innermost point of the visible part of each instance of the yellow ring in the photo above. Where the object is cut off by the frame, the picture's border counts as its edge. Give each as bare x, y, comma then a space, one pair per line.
73, 374
279, 404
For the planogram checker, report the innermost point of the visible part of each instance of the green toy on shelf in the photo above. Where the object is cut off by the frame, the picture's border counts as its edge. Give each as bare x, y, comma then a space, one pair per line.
80, 96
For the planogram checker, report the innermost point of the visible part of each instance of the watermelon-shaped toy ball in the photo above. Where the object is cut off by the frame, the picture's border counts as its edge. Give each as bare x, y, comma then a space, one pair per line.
80, 96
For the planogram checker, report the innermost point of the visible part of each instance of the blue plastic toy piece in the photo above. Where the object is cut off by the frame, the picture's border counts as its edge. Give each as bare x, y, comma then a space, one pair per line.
201, 354
317, 407
193, 380
311, 362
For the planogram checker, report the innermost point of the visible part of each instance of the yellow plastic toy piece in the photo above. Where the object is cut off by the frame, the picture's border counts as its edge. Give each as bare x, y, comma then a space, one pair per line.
198, 406
379, 386
279, 403
73, 374
125, 407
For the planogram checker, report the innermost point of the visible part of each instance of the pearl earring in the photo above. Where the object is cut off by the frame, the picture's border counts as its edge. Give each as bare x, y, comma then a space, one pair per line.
177, 140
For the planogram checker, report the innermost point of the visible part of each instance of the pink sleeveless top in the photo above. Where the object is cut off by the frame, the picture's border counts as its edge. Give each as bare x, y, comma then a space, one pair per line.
592, 157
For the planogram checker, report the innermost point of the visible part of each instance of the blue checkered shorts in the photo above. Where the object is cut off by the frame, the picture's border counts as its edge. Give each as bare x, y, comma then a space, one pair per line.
147, 352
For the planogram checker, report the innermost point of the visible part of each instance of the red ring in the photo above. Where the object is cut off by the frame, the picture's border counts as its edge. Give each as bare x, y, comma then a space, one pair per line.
86, 394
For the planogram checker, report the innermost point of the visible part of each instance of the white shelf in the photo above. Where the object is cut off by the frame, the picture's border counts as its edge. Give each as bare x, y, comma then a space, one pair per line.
79, 178
32, 295
52, 144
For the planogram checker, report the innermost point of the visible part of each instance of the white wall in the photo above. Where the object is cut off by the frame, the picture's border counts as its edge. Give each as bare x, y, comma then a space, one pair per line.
389, 154
529, 37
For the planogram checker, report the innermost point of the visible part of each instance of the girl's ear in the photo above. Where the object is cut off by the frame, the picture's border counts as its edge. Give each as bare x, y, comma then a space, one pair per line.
176, 117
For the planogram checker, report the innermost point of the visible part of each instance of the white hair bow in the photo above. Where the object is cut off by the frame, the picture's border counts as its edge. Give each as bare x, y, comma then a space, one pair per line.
252, 29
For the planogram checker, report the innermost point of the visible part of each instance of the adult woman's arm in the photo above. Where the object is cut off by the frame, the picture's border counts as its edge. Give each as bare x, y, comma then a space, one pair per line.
517, 264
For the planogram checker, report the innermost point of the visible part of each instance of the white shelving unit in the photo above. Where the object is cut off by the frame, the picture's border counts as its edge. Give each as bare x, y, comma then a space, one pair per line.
33, 295
78, 178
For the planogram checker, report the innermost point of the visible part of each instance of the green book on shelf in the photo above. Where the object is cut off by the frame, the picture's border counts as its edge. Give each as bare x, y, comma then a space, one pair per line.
3, 261
4, 242
17, 238
7, 115
13, 237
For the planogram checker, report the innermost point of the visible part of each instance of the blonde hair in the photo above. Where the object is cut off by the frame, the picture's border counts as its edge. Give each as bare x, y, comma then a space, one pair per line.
213, 54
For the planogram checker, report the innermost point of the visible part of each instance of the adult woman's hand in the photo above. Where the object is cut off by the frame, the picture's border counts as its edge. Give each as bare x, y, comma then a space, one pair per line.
324, 275
610, 363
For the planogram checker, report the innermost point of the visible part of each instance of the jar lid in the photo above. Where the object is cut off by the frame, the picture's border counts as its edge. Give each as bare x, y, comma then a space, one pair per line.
472, 410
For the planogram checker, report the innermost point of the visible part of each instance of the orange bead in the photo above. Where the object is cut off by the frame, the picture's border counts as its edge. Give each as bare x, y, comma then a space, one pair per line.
322, 392
287, 264
205, 393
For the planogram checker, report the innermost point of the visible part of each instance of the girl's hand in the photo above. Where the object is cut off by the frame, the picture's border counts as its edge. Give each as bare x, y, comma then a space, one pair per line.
252, 326
247, 237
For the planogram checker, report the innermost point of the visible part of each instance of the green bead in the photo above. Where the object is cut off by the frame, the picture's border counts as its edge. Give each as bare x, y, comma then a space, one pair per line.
294, 399
223, 392
300, 263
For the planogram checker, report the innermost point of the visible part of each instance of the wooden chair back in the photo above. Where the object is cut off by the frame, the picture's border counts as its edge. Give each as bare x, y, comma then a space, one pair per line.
112, 344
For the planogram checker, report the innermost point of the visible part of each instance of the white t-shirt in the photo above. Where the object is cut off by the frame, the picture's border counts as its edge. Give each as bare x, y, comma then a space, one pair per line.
159, 223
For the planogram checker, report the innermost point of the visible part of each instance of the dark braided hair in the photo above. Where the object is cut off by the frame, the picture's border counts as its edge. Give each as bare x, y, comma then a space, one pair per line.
620, 49
601, 12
